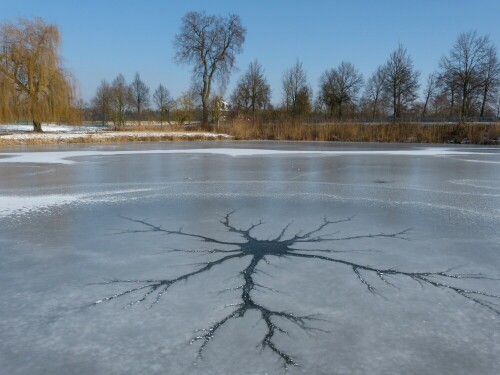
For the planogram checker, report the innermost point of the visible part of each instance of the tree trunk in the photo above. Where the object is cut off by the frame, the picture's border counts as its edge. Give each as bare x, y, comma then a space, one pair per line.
452, 104
375, 103
483, 104
463, 111
394, 109
425, 107
205, 116
139, 113
205, 96
37, 126
253, 114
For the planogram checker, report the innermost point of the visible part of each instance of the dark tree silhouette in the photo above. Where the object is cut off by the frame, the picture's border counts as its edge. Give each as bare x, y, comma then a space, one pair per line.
288, 246
400, 82
211, 44
140, 97
252, 92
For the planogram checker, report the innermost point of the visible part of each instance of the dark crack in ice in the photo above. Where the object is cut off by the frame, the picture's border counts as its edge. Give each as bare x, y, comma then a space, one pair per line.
283, 245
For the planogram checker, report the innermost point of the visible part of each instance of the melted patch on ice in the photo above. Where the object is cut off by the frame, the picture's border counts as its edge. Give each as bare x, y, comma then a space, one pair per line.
63, 157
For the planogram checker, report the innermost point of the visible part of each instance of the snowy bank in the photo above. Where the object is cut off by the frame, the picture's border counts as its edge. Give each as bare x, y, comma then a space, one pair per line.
104, 136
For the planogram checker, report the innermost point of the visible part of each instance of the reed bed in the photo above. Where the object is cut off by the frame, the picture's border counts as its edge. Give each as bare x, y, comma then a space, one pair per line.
357, 132
476, 133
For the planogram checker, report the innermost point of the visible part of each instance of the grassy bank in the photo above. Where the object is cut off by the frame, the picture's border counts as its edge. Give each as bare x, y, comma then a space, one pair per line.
351, 132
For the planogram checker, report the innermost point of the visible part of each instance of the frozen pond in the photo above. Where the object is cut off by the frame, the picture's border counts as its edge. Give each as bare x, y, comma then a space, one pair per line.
250, 258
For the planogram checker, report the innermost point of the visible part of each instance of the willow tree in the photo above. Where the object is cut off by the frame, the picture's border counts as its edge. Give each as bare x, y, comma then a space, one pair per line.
33, 83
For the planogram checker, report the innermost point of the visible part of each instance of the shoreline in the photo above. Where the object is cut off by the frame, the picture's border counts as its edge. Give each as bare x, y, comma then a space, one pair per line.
448, 134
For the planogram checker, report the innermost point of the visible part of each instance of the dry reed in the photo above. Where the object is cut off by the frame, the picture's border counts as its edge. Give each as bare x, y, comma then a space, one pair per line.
352, 132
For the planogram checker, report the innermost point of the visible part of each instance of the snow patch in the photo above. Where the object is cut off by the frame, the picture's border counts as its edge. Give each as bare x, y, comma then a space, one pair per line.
48, 128
22, 204
63, 157
103, 136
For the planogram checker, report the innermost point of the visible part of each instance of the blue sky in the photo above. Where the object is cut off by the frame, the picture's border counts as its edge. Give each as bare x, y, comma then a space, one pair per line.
102, 38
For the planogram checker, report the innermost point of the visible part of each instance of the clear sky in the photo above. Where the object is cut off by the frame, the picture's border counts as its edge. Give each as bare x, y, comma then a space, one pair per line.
102, 38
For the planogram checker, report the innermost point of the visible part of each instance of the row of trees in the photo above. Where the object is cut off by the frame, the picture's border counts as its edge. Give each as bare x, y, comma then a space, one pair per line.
466, 84
469, 75
35, 85
112, 102
118, 102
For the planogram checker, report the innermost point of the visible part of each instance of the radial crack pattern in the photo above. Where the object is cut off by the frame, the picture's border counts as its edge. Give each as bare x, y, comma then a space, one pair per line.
283, 245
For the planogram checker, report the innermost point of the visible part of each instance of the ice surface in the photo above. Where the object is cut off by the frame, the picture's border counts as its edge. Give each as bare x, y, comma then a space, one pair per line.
126, 217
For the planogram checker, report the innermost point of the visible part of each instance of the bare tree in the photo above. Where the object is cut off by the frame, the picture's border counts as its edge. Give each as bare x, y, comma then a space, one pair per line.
101, 102
464, 66
373, 94
121, 99
164, 102
491, 78
211, 44
31, 73
328, 92
430, 91
296, 92
401, 81
340, 87
140, 95
448, 92
252, 93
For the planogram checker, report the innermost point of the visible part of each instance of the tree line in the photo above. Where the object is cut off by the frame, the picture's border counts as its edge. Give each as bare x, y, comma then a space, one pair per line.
116, 100
34, 84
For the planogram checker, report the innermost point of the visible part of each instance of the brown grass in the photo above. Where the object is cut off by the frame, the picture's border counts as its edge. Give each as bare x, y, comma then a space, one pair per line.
352, 132
153, 128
